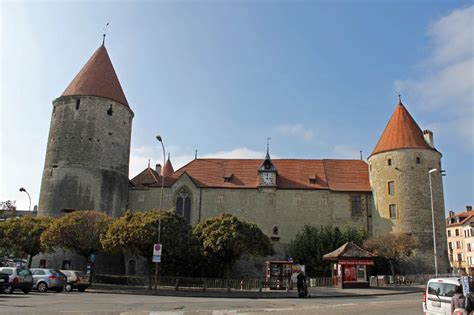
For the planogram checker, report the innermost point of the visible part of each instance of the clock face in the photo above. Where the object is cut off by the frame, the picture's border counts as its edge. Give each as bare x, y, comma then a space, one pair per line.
267, 178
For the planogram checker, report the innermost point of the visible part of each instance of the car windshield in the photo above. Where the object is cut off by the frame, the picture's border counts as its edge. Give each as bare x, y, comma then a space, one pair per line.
23, 272
7, 271
80, 274
57, 273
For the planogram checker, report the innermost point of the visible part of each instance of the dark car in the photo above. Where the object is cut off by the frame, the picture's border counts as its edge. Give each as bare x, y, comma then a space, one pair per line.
4, 281
19, 279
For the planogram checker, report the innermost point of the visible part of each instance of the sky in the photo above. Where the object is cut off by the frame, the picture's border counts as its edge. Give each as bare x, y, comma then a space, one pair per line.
320, 78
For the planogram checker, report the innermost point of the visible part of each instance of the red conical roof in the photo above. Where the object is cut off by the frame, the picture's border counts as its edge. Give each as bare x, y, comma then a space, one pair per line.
97, 78
401, 132
168, 169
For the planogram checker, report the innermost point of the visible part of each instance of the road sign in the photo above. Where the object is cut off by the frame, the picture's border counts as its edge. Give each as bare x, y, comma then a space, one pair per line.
157, 253
465, 285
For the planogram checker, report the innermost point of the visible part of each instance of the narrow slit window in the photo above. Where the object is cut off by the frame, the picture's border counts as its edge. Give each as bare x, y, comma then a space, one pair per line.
393, 211
110, 111
78, 102
389, 162
391, 188
418, 160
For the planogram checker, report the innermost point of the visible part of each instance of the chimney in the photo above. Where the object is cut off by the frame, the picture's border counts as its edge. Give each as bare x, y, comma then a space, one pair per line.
158, 169
468, 208
428, 134
451, 213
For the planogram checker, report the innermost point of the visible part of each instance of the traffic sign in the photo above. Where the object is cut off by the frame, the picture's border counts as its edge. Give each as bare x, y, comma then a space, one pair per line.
157, 248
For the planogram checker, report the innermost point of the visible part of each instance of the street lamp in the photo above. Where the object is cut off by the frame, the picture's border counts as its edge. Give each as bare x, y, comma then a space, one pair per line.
433, 221
158, 137
24, 190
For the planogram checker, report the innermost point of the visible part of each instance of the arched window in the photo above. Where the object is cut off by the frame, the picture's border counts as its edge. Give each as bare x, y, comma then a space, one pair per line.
183, 205
131, 267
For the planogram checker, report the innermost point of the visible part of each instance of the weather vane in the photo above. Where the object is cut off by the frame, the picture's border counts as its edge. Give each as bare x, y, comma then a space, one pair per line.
105, 31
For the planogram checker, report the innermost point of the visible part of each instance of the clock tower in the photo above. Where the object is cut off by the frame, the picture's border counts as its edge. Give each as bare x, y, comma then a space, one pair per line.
267, 172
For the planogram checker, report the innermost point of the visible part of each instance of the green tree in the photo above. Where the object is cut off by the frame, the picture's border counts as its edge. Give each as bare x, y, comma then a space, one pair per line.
226, 238
312, 242
24, 233
392, 247
78, 232
137, 232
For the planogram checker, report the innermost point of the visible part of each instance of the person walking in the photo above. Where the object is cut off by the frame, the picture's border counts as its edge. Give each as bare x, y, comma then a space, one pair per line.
458, 302
301, 284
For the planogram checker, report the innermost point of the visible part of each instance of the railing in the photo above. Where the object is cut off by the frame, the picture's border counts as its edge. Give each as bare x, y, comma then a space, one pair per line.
417, 279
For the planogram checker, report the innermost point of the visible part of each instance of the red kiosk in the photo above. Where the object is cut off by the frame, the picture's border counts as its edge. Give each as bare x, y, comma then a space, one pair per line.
350, 266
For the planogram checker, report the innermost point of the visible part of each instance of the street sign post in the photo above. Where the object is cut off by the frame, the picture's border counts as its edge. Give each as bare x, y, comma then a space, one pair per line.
465, 285
157, 248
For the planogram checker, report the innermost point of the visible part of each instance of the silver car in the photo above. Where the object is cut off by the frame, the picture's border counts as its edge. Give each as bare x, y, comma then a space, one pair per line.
48, 279
19, 279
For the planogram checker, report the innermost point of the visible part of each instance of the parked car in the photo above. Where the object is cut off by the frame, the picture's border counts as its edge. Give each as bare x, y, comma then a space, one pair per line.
437, 295
76, 280
4, 281
48, 279
19, 279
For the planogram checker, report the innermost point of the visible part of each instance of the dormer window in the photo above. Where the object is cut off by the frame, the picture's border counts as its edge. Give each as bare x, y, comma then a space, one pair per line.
228, 177
313, 179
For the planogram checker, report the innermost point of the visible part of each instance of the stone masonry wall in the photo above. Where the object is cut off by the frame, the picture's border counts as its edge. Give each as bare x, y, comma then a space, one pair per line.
412, 199
87, 156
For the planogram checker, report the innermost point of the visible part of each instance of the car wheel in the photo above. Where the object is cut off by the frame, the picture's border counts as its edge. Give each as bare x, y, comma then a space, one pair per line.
8, 290
26, 291
81, 289
68, 287
42, 287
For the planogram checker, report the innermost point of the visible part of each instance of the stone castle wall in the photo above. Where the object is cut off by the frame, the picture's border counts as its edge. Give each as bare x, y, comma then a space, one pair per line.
289, 210
87, 157
412, 199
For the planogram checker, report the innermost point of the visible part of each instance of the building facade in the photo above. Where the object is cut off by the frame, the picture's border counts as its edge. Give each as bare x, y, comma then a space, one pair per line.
460, 236
86, 167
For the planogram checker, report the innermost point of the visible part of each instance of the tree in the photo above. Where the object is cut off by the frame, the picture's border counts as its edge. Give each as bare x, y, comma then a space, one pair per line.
24, 234
312, 242
392, 247
137, 232
8, 205
226, 238
78, 232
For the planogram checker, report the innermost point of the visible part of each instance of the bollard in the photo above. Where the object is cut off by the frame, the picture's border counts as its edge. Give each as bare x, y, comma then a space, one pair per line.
241, 285
176, 284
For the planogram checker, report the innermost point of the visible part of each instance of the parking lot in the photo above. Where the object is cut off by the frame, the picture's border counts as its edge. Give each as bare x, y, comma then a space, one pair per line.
111, 304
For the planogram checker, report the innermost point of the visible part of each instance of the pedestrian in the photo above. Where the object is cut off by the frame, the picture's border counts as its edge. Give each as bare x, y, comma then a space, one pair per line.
458, 302
301, 284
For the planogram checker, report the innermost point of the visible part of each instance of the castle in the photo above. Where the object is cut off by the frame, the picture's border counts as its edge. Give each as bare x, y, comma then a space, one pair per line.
87, 164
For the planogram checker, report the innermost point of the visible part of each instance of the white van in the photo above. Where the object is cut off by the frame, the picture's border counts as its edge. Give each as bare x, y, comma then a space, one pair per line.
437, 295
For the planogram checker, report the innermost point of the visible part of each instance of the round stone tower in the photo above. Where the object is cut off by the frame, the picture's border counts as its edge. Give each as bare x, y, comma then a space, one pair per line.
399, 176
87, 156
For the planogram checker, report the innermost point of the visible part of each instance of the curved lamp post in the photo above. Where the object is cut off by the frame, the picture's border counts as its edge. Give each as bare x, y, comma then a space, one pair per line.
433, 221
158, 137
24, 190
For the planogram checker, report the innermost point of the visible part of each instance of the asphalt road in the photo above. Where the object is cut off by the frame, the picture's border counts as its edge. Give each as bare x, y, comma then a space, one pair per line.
114, 304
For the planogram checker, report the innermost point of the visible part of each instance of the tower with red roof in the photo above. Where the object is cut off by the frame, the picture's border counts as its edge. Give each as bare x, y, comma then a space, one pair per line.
87, 156
399, 179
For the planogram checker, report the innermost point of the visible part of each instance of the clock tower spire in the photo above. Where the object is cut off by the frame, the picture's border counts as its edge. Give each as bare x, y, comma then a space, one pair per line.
267, 171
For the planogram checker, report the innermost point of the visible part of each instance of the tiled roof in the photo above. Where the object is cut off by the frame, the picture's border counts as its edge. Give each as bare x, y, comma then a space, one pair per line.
97, 78
348, 250
467, 215
401, 132
336, 175
147, 177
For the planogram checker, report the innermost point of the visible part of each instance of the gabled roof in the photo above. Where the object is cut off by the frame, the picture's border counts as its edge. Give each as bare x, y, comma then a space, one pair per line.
97, 78
335, 175
401, 132
147, 177
348, 250
464, 217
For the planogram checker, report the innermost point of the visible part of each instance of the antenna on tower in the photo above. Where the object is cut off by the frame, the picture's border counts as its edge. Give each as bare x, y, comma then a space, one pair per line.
105, 31
399, 99
361, 155
268, 144
195, 154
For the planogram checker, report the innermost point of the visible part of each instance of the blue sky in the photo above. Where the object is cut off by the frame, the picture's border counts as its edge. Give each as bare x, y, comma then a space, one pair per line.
318, 77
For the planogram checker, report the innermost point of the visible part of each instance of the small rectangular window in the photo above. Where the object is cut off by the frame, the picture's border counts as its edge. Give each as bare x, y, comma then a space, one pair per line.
449, 233
356, 205
457, 232
389, 162
391, 188
393, 211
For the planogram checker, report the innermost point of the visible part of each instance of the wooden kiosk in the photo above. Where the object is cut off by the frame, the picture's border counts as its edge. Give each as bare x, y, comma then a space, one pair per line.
278, 274
350, 265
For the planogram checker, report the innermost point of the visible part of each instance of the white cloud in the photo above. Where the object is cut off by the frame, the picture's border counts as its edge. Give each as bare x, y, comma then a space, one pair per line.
239, 153
296, 130
445, 84
345, 152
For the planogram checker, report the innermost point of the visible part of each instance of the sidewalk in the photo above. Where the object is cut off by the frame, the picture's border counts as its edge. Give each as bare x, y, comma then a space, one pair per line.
253, 294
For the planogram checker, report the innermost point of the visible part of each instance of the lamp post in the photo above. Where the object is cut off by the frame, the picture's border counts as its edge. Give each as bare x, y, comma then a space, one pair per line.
433, 221
24, 190
158, 137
